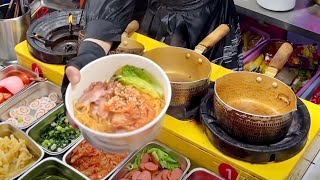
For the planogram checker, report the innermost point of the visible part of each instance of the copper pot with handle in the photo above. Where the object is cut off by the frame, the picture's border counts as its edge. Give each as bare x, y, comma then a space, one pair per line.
188, 70
129, 45
256, 108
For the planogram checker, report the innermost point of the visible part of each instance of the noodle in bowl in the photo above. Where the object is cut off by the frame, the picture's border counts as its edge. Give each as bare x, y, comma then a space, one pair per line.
102, 70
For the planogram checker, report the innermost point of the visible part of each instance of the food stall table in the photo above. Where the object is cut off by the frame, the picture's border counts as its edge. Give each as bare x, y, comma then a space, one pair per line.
189, 138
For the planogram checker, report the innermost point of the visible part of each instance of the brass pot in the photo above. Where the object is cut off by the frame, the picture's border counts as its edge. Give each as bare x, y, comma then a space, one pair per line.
188, 70
254, 108
129, 45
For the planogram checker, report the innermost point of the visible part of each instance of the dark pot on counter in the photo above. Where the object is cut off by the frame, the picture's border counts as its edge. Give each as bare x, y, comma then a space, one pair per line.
254, 108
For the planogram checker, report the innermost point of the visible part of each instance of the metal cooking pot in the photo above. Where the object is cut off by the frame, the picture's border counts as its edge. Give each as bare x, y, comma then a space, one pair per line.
129, 45
253, 107
188, 70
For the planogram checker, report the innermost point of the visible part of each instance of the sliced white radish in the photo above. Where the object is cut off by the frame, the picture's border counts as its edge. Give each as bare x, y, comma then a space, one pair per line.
13, 113
28, 118
45, 99
23, 102
49, 106
40, 112
53, 97
22, 110
11, 120
35, 104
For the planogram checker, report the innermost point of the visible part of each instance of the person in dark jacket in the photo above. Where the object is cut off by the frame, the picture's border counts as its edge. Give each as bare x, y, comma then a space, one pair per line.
182, 23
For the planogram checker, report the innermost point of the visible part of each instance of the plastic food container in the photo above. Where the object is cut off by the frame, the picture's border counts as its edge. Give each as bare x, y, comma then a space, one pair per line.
7, 71
25, 99
259, 50
56, 5
54, 167
101, 70
67, 156
6, 129
38, 128
183, 161
311, 87
201, 174
256, 31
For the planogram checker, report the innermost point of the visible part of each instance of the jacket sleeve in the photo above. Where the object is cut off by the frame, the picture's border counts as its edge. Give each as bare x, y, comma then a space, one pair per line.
107, 19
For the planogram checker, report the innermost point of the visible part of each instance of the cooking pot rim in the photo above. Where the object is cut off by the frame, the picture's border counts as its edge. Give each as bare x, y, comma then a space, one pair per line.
256, 115
186, 50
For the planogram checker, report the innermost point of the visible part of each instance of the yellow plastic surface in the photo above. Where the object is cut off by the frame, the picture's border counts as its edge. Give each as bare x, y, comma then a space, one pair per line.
188, 137
54, 73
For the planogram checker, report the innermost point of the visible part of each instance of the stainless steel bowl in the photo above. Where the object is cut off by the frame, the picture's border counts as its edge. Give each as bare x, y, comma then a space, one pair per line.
35, 91
67, 154
184, 161
37, 129
52, 166
6, 129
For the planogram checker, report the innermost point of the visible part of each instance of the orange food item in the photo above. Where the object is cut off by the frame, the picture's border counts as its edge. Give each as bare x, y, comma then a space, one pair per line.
1, 98
92, 162
113, 107
25, 79
7, 95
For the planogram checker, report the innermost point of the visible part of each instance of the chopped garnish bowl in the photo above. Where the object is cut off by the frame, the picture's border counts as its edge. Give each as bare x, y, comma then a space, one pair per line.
102, 70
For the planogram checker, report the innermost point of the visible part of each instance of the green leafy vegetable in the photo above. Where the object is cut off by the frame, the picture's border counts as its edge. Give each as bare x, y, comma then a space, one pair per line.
58, 134
164, 159
137, 161
140, 79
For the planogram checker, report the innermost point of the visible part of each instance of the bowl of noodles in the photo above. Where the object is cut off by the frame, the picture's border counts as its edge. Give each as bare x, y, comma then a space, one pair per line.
120, 102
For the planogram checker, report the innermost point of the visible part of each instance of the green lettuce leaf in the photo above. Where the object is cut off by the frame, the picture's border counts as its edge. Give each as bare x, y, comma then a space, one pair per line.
130, 75
165, 160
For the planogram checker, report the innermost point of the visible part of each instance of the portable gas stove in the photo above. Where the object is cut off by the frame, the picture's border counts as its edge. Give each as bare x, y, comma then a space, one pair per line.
286, 148
53, 38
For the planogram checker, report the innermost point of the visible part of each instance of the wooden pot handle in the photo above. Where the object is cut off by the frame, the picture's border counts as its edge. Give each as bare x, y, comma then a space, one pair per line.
282, 56
213, 38
132, 27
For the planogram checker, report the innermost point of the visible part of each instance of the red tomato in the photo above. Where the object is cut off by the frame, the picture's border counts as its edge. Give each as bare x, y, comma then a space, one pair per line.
1, 98
6, 95
25, 79
4, 90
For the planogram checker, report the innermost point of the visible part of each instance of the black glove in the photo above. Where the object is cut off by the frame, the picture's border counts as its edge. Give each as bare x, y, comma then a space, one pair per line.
88, 52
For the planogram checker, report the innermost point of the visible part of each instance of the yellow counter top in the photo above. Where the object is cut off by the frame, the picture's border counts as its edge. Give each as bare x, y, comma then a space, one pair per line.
187, 137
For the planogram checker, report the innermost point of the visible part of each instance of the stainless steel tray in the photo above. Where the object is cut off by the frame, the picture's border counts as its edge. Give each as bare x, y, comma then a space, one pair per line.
65, 157
6, 129
52, 4
200, 174
52, 166
5, 72
35, 91
35, 131
184, 161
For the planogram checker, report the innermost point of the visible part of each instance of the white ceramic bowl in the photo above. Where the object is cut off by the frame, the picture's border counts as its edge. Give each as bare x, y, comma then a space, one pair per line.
277, 5
101, 70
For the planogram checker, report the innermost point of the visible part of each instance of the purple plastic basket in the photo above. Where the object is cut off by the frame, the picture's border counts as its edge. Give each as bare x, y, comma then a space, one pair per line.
258, 51
307, 90
256, 31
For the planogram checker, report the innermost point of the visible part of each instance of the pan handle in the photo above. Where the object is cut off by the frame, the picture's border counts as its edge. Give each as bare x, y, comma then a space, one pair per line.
212, 39
132, 27
282, 56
